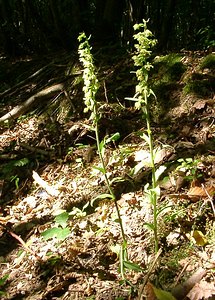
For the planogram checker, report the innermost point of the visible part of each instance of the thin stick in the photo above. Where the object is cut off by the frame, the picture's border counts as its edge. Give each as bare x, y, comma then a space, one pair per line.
151, 268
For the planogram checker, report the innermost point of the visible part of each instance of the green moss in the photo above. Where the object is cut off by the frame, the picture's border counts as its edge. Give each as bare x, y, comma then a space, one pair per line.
199, 87
169, 67
208, 62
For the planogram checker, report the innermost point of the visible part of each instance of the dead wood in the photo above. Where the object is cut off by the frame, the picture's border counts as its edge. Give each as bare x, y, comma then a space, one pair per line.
45, 94
34, 149
181, 290
13, 89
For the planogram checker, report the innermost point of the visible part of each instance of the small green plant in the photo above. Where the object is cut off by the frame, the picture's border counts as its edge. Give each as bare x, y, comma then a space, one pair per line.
145, 42
90, 89
208, 62
198, 87
190, 167
3, 281
60, 231
206, 36
10, 168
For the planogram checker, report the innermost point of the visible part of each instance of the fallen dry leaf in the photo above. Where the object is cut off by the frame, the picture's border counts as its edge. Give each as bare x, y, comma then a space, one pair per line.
196, 193
200, 104
149, 292
202, 290
201, 192
199, 237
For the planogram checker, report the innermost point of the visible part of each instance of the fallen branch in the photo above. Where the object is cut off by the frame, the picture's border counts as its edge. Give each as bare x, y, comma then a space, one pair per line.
34, 149
23, 82
42, 95
181, 290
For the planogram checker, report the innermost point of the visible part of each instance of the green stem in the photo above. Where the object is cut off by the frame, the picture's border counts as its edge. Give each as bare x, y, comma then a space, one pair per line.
106, 178
154, 182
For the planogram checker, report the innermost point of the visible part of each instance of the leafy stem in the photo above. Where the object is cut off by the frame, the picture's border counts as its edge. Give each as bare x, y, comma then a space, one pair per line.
90, 89
145, 41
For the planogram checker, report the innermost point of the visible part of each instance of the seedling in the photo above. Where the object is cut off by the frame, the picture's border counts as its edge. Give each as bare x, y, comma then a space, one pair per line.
60, 231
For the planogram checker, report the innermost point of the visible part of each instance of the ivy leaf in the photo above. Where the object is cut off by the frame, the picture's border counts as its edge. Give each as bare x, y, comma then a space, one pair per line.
50, 233
63, 233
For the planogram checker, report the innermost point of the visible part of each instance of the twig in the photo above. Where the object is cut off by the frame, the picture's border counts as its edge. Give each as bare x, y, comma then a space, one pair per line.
105, 90
33, 149
70, 100
151, 267
20, 240
210, 198
181, 290
11, 90
182, 271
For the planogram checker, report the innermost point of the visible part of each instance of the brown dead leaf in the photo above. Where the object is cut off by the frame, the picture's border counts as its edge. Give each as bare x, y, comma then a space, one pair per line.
195, 193
202, 290
149, 292
201, 192
200, 104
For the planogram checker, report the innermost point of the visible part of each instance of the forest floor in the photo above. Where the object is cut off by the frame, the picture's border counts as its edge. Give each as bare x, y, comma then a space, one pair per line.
58, 240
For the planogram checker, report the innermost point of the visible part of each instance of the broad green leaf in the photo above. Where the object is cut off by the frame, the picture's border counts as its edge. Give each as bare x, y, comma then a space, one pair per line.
162, 295
114, 138
63, 233
50, 233
59, 233
62, 219
132, 266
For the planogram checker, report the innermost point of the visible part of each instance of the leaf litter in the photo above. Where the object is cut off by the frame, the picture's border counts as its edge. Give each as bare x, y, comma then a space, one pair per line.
84, 264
